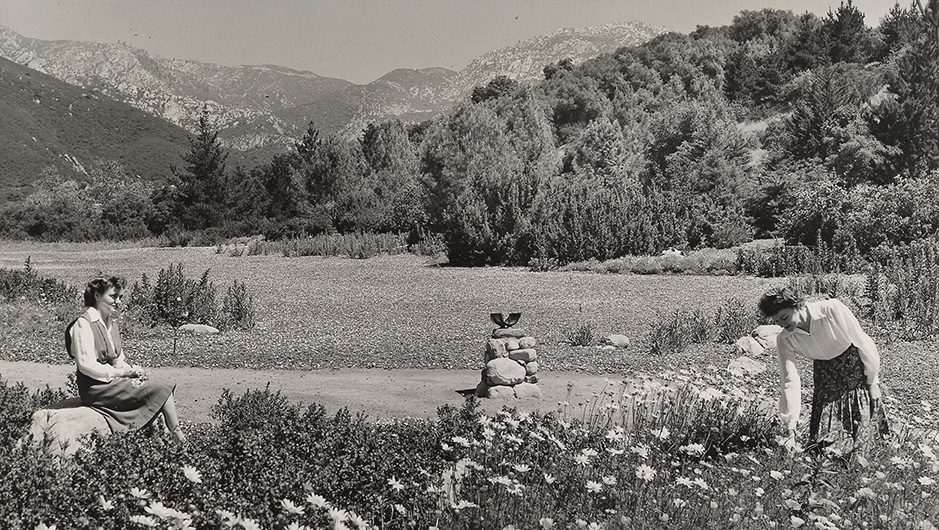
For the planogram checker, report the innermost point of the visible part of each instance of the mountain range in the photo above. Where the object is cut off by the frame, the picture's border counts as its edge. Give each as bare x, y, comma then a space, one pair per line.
261, 109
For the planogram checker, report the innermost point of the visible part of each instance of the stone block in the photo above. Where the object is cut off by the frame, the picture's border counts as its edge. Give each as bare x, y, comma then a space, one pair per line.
766, 335
531, 368
504, 371
500, 333
495, 348
618, 341
527, 355
748, 346
527, 391
511, 343
198, 329
526, 342
64, 423
501, 392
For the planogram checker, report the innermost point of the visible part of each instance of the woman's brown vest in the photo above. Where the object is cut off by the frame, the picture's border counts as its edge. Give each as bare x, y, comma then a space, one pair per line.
104, 354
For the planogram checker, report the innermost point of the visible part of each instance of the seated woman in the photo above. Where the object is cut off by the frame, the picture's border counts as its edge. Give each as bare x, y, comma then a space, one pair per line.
106, 382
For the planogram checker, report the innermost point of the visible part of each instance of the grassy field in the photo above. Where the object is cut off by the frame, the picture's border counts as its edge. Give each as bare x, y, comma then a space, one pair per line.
403, 312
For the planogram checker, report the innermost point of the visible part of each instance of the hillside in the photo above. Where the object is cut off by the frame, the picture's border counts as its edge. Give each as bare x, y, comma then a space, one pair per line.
264, 108
46, 122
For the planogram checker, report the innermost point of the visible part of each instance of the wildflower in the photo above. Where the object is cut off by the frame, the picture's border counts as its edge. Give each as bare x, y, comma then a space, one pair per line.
549, 478
463, 504
594, 487
594, 526
192, 474
401, 509
317, 501
106, 505
515, 488
759, 492
445, 447
296, 526
776, 475
645, 472
926, 481
682, 481
679, 503
515, 439
144, 520
522, 468
867, 492
589, 452
338, 515
699, 482
290, 507
641, 450
139, 493
42, 526
510, 422
395, 484
357, 520
713, 505
615, 452
228, 519
459, 440
546, 523
582, 459
488, 433
693, 449
617, 434
796, 521
250, 524
609, 480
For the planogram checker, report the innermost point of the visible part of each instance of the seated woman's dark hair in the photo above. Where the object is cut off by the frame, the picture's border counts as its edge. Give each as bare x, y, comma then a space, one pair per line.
100, 286
778, 299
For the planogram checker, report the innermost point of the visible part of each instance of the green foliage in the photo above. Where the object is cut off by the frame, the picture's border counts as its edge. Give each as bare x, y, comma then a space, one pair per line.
792, 260
201, 189
28, 284
583, 335
903, 288
674, 332
176, 300
354, 245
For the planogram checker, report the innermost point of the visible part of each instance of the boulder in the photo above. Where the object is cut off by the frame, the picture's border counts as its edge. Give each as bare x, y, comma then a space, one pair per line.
526, 342
527, 391
745, 364
511, 343
766, 335
748, 346
618, 341
495, 348
531, 368
504, 371
527, 355
64, 423
501, 391
500, 333
198, 329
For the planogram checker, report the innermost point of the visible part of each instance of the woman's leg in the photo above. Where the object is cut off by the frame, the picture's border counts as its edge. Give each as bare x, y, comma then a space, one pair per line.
172, 419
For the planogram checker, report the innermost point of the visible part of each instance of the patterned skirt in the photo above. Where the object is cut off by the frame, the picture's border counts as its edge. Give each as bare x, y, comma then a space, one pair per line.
844, 416
123, 405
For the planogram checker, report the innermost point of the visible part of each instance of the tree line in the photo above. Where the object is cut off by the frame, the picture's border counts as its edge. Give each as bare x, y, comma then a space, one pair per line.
814, 129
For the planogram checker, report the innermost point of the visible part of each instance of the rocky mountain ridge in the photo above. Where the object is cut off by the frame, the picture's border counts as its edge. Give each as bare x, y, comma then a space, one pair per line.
267, 107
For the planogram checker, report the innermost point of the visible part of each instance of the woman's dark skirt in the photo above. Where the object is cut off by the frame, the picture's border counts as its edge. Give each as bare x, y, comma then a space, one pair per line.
844, 416
124, 406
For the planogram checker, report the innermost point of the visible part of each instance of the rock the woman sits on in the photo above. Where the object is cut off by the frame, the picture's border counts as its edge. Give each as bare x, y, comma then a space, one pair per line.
106, 382
847, 408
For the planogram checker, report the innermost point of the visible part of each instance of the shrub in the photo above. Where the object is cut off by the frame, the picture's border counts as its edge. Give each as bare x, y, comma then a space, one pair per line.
583, 335
357, 245
735, 318
176, 300
670, 333
903, 288
16, 284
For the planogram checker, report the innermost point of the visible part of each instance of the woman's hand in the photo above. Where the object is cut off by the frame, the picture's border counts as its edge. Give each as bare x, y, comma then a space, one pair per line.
875, 392
130, 372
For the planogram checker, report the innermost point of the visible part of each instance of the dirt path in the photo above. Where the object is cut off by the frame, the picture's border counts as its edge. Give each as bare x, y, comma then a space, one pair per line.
382, 394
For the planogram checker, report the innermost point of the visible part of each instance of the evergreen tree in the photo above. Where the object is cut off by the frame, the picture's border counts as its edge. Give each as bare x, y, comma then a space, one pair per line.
201, 181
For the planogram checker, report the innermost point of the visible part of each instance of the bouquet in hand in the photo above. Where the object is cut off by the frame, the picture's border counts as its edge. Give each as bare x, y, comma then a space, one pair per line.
142, 376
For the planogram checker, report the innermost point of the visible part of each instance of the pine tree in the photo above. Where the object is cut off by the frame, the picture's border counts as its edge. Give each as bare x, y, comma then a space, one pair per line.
201, 190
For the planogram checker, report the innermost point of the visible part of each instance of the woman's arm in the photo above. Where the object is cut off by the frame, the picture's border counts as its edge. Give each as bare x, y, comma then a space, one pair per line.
83, 348
790, 386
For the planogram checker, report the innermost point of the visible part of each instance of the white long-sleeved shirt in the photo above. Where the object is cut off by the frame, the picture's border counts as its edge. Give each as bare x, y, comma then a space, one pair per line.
833, 328
83, 349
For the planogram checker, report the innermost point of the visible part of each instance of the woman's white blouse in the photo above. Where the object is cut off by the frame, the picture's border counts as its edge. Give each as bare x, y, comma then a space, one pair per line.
832, 329
83, 348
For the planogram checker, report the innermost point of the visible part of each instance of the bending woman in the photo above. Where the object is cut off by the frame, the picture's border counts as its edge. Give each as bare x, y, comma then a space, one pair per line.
106, 382
846, 402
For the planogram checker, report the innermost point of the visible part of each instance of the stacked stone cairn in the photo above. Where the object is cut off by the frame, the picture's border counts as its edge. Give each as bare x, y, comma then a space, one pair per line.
511, 366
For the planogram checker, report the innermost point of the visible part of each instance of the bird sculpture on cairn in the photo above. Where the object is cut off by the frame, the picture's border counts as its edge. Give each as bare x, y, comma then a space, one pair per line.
511, 361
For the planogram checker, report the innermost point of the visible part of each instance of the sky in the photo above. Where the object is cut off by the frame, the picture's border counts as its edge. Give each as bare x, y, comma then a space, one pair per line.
361, 40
